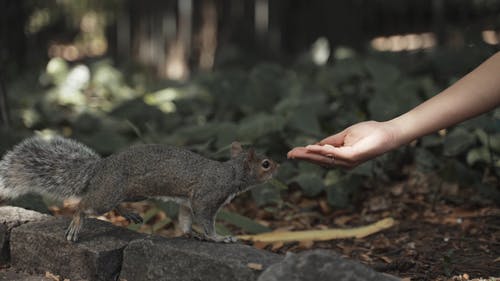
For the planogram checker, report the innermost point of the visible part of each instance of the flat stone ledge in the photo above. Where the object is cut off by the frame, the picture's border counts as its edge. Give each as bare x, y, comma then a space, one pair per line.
41, 246
179, 259
318, 265
15, 216
11, 275
11, 217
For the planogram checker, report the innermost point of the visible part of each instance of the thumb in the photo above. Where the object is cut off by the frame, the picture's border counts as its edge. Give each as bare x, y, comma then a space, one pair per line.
335, 140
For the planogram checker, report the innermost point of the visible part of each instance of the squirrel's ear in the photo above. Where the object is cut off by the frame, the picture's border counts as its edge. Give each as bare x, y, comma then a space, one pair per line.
236, 149
251, 155
250, 158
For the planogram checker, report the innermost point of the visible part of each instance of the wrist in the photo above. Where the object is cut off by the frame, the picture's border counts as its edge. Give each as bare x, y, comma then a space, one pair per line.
402, 130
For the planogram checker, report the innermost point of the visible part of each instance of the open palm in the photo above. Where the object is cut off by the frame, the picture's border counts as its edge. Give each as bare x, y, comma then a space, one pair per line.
350, 147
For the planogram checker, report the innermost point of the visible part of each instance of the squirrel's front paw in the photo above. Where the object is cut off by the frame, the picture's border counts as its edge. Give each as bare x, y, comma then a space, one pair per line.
222, 239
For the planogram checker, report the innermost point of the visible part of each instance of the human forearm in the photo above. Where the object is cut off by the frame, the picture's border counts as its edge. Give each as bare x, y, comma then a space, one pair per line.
476, 93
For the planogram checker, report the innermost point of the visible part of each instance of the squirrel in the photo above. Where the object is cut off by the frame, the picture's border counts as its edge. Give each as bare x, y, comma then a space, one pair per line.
63, 168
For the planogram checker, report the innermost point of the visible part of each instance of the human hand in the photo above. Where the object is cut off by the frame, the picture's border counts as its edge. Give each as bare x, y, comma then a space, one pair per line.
351, 147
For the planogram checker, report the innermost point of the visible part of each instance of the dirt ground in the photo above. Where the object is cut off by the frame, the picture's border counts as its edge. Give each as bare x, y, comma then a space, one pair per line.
443, 231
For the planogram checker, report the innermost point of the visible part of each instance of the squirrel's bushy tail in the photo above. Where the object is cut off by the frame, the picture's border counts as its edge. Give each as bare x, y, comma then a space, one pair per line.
58, 167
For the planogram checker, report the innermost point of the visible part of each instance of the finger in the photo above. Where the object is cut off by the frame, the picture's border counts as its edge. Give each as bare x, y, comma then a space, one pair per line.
335, 140
343, 152
318, 159
296, 152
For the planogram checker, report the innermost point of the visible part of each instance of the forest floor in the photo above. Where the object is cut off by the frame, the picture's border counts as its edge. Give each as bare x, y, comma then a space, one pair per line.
442, 231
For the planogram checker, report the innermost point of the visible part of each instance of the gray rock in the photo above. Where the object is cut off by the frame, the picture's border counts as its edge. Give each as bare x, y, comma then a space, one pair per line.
4, 245
10, 275
318, 265
41, 246
188, 259
15, 216
11, 217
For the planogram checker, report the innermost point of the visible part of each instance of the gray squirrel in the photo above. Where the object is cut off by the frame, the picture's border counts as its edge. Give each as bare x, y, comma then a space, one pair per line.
63, 168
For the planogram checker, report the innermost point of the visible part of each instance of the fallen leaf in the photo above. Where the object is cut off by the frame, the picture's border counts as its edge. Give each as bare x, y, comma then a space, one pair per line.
52, 276
324, 207
321, 235
342, 220
277, 245
306, 244
254, 266
260, 245
386, 259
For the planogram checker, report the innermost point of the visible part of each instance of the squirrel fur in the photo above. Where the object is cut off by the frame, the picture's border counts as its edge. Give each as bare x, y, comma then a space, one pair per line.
63, 168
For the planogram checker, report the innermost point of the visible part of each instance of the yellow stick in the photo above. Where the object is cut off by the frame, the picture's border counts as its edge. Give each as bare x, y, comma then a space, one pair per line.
320, 235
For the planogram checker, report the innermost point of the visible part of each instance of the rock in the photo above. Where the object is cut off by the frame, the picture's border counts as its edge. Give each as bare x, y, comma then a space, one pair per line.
4, 245
41, 246
188, 259
11, 217
10, 275
15, 216
318, 265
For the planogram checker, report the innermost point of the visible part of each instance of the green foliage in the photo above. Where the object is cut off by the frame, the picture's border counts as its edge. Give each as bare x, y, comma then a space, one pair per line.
267, 106
248, 225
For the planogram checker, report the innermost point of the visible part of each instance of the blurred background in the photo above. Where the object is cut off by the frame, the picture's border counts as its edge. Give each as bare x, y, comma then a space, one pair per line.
272, 74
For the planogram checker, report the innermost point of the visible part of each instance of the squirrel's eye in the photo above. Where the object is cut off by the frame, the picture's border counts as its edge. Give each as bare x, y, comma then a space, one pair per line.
266, 164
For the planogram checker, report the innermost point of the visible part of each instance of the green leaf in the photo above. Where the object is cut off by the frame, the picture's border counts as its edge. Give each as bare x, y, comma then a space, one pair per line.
222, 230
492, 141
306, 167
339, 195
431, 141
479, 154
332, 177
265, 194
151, 213
381, 72
458, 141
286, 171
161, 224
169, 207
242, 222
259, 125
304, 120
425, 160
311, 184
455, 171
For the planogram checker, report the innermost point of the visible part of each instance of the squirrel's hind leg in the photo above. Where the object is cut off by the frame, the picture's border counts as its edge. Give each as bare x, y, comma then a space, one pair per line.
185, 219
75, 226
129, 215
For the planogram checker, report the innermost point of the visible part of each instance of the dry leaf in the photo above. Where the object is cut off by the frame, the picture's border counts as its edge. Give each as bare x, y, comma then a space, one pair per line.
260, 245
52, 276
386, 259
306, 244
254, 266
342, 220
277, 246
320, 235
324, 207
